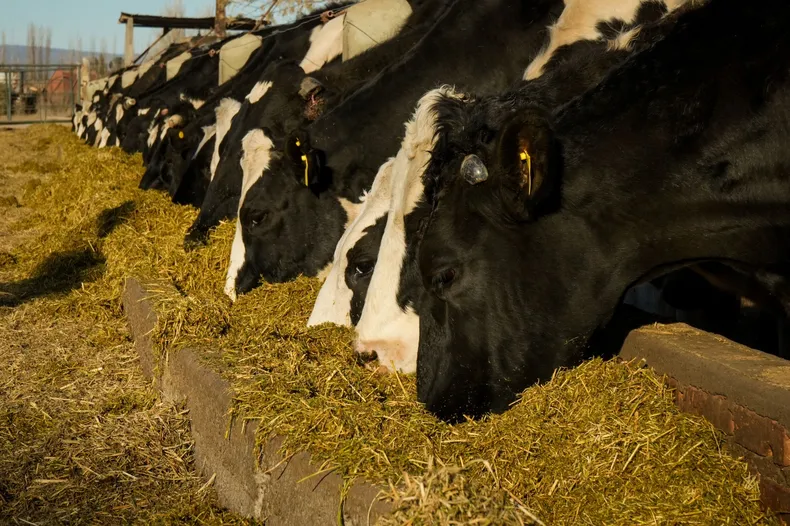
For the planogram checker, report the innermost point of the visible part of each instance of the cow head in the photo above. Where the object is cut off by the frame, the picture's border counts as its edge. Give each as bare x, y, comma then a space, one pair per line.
491, 178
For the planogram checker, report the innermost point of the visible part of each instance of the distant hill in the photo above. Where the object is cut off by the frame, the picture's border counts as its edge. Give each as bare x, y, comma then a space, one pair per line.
18, 55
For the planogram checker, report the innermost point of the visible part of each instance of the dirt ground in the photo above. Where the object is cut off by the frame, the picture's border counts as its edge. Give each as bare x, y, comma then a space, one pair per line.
83, 437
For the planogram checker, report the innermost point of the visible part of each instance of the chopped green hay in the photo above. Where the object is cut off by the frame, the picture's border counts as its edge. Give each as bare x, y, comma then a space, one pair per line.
599, 444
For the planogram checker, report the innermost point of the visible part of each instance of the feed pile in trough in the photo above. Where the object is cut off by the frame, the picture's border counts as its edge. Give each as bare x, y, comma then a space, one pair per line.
599, 444
83, 438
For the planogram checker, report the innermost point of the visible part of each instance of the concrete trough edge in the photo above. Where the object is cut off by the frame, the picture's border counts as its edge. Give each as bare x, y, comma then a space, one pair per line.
288, 491
743, 392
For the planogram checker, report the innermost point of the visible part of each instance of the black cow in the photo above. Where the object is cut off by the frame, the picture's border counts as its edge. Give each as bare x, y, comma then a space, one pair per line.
290, 228
541, 220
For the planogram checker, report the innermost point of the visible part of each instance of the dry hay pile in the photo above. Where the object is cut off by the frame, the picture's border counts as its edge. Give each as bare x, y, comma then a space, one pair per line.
600, 444
83, 438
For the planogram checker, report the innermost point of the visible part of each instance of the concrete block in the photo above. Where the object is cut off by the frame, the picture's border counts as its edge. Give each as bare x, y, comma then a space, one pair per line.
253, 482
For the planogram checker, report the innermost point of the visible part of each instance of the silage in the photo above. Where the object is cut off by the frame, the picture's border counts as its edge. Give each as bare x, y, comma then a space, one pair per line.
600, 444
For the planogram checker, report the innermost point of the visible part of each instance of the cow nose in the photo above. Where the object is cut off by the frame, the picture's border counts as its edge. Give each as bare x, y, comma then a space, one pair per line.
365, 354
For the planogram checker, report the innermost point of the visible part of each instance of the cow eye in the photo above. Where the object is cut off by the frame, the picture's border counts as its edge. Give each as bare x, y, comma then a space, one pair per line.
442, 280
363, 268
256, 218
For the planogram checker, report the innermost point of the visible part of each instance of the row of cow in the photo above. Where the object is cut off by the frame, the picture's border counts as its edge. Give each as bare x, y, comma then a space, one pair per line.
483, 190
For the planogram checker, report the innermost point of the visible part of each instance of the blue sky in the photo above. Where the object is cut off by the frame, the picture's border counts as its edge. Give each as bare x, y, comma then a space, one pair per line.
91, 20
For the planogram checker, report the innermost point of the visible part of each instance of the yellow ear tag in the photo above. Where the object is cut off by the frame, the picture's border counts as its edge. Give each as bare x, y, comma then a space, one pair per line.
304, 160
180, 135
525, 158
298, 143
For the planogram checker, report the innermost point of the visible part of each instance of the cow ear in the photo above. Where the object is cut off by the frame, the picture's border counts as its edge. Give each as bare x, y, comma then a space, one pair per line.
529, 156
308, 161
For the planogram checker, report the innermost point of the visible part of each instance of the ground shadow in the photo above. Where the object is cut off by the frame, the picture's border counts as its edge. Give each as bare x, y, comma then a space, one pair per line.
113, 217
67, 270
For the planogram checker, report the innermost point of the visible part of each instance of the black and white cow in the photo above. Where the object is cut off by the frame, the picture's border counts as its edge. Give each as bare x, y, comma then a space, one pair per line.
289, 227
333, 80
583, 45
130, 82
192, 80
540, 220
187, 165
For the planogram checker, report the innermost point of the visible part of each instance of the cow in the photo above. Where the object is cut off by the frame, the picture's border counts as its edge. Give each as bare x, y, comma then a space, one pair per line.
333, 80
185, 165
386, 326
184, 170
129, 82
538, 226
292, 217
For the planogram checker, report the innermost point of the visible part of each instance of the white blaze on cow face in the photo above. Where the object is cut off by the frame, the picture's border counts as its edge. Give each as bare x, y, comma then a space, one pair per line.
226, 110
143, 111
258, 91
118, 113
256, 153
98, 126
105, 135
579, 21
384, 327
153, 130
208, 133
325, 45
333, 304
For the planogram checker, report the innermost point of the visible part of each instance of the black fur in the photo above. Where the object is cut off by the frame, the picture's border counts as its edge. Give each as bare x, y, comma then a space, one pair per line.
677, 157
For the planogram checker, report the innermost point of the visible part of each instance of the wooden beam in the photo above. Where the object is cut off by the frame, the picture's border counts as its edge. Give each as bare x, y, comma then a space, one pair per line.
128, 57
242, 24
219, 19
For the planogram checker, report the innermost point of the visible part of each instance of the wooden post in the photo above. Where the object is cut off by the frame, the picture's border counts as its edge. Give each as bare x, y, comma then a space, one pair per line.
219, 19
128, 57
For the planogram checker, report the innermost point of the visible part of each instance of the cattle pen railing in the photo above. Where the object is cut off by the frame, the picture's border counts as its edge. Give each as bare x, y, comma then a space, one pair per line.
38, 93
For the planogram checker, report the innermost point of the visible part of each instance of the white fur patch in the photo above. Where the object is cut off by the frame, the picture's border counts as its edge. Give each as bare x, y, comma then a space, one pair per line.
325, 45
623, 40
98, 126
96, 98
145, 66
258, 91
143, 111
173, 65
118, 113
105, 135
333, 304
153, 131
208, 133
128, 77
385, 328
256, 153
195, 103
225, 112
234, 55
578, 21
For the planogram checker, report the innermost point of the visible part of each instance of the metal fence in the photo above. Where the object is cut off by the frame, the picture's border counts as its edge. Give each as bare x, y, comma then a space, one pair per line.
38, 93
